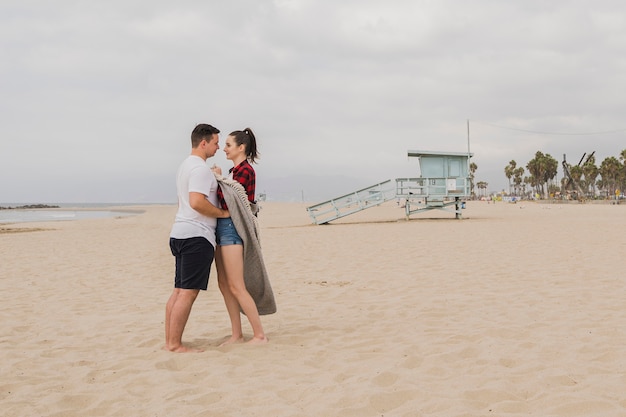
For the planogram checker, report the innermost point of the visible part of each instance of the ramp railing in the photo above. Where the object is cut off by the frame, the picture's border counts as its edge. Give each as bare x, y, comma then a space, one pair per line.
351, 203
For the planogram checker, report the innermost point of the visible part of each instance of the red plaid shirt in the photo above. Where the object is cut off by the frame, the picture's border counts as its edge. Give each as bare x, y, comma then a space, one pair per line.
244, 173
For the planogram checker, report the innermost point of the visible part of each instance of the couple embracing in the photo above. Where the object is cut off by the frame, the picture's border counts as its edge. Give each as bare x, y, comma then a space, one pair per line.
216, 219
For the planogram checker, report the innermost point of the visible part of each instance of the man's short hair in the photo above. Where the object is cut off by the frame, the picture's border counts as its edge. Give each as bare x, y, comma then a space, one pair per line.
202, 132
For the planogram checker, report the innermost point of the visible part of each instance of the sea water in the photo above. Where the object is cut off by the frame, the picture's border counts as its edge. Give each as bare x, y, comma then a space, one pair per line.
65, 212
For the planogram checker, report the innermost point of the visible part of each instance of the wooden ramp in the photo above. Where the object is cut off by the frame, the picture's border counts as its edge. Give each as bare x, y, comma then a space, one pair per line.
345, 205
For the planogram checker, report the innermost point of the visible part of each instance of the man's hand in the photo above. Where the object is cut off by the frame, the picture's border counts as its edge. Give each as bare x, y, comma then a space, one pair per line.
199, 203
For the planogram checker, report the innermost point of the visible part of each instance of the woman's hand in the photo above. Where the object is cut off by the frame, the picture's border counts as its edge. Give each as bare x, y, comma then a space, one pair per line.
216, 170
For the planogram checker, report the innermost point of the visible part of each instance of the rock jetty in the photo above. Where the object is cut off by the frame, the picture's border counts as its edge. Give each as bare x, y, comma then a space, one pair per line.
29, 206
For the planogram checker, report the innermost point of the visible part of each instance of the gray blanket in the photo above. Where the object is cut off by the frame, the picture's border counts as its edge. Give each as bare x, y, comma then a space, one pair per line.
254, 272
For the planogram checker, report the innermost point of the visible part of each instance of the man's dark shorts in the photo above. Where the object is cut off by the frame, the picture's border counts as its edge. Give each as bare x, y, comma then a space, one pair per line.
194, 257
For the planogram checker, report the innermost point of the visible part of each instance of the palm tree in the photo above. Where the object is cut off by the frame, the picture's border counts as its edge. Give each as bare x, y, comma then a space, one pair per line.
622, 157
518, 173
472, 167
590, 171
509, 171
543, 169
611, 170
529, 181
482, 185
576, 172
551, 167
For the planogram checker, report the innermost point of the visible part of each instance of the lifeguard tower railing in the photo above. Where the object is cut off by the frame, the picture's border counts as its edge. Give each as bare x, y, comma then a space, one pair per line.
428, 193
432, 188
418, 194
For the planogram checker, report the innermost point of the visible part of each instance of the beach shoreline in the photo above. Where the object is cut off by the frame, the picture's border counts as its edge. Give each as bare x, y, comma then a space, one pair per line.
29, 215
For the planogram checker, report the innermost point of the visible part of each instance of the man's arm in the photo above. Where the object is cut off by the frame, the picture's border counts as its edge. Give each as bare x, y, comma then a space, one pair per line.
199, 203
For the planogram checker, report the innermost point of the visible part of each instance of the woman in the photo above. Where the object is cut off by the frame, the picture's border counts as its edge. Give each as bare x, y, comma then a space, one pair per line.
241, 149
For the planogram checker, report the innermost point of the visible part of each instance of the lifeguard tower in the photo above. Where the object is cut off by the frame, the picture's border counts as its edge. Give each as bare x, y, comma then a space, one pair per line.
443, 184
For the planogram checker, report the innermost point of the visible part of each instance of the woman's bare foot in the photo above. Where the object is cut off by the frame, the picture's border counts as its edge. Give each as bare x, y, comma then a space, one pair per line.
183, 349
232, 340
258, 341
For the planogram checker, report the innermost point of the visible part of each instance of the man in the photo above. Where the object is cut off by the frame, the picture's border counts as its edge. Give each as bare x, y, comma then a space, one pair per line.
192, 238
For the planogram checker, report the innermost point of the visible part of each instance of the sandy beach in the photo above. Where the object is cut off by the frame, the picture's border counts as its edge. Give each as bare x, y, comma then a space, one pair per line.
518, 309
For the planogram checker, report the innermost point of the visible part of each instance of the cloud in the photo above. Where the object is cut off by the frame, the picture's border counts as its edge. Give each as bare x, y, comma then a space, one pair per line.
111, 90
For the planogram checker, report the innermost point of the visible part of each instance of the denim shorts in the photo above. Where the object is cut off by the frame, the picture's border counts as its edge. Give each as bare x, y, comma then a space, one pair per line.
226, 234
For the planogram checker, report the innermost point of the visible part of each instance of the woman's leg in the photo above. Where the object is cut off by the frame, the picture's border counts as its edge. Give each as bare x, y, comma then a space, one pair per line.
232, 263
232, 305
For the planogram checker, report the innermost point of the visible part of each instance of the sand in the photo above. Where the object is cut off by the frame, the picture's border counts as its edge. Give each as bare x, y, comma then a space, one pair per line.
518, 309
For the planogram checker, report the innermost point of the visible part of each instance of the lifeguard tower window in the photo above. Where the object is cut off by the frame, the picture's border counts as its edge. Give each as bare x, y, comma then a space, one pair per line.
454, 168
432, 167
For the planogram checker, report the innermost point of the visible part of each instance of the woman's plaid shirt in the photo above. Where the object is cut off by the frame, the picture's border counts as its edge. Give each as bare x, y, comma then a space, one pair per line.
245, 175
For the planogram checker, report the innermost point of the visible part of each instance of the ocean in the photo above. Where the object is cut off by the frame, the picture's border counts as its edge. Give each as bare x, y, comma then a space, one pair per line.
65, 212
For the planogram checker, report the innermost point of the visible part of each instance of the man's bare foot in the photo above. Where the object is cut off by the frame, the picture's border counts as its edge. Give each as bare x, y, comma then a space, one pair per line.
183, 349
258, 341
231, 341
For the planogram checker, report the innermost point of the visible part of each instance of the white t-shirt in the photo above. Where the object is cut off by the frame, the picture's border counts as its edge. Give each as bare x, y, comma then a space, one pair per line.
194, 175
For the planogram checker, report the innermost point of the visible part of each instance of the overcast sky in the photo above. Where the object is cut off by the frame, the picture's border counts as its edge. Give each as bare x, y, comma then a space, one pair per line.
98, 99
